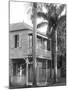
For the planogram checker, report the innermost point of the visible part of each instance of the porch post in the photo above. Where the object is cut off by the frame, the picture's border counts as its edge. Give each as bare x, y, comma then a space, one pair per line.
46, 71
51, 69
51, 59
27, 71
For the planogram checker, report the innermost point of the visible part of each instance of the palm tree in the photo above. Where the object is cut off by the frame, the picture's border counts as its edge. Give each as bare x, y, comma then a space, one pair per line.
34, 8
34, 42
53, 17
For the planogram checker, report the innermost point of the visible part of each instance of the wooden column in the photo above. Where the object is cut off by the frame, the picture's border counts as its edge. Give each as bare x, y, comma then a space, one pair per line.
16, 69
27, 71
20, 70
51, 59
46, 71
10, 71
51, 69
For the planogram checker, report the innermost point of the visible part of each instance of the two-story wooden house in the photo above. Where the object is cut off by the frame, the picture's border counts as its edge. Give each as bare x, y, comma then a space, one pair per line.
21, 63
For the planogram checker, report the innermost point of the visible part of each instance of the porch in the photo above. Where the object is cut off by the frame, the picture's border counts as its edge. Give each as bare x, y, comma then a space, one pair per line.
22, 72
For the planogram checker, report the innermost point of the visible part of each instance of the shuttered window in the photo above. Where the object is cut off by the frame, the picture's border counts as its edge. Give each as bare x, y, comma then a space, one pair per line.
16, 41
30, 41
48, 45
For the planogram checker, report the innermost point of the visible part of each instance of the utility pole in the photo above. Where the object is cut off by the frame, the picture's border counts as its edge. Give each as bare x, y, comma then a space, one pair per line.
34, 42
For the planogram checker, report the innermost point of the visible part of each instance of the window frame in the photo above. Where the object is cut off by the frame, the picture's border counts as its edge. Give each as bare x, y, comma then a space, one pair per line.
30, 41
16, 39
49, 45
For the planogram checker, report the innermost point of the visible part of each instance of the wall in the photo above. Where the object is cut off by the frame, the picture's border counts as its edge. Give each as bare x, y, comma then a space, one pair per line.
22, 50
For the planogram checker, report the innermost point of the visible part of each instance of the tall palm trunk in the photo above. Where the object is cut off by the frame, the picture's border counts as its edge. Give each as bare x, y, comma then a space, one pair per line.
55, 57
54, 53
51, 60
34, 43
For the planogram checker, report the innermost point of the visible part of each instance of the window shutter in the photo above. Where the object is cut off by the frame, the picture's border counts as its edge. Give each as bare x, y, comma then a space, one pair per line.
48, 45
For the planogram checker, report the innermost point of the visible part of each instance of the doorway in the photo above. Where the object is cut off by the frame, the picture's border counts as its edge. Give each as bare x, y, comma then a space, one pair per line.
19, 72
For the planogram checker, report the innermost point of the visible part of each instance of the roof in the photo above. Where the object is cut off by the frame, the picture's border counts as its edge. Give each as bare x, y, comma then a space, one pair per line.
19, 26
23, 26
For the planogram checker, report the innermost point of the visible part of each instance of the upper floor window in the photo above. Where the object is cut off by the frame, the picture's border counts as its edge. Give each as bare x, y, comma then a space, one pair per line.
48, 45
41, 43
16, 41
44, 45
30, 41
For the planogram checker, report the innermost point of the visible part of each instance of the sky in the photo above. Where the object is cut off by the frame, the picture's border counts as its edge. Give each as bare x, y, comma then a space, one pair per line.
19, 13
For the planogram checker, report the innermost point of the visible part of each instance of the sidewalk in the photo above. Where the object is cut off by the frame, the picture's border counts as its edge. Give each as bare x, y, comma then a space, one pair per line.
61, 82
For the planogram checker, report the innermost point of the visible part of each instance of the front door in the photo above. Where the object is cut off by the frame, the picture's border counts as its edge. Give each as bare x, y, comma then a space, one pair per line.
19, 73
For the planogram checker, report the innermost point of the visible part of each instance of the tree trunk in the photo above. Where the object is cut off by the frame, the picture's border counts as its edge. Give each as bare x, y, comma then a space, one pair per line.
54, 54
34, 42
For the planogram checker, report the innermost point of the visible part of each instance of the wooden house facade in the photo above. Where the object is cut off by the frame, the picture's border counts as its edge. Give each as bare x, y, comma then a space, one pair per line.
20, 55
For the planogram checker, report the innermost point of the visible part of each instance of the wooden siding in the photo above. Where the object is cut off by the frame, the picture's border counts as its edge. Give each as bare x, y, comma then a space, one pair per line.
41, 53
23, 50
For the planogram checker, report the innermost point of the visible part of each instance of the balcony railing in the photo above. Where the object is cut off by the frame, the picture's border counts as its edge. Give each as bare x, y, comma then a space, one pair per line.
41, 53
21, 53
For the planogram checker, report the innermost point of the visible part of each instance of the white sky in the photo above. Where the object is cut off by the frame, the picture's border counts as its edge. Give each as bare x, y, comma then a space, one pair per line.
18, 13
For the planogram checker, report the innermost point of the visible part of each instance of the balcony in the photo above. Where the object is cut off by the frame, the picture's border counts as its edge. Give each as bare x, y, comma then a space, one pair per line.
22, 53
41, 53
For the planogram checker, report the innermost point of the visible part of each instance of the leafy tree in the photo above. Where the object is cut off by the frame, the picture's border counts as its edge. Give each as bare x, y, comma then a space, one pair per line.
61, 39
34, 8
53, 17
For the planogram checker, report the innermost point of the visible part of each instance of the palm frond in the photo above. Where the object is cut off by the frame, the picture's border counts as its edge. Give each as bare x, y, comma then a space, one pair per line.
43, 15
41, 24
62, 17
60, 9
